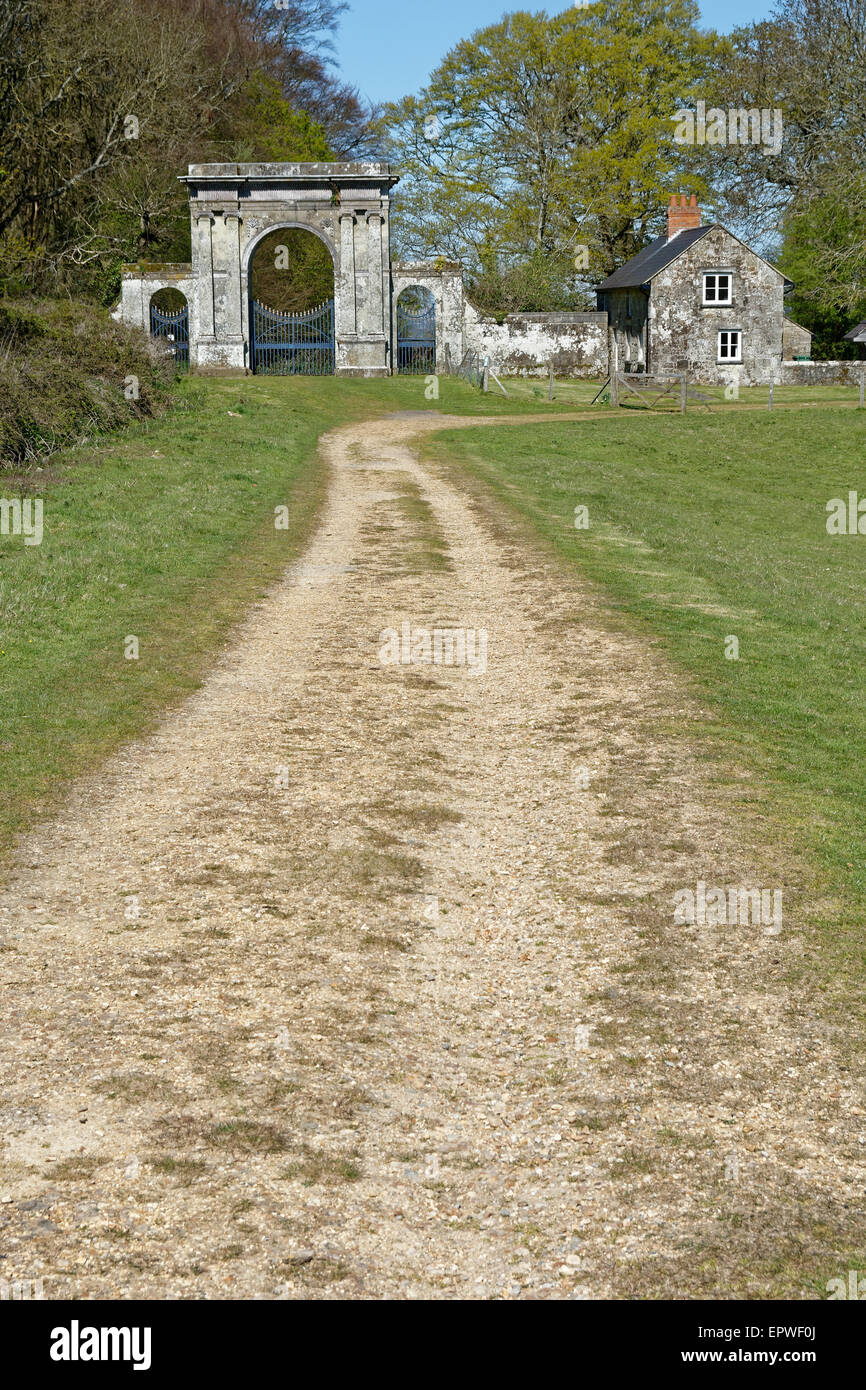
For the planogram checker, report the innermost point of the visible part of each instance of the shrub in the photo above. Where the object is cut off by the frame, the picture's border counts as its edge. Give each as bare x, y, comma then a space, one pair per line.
63, 365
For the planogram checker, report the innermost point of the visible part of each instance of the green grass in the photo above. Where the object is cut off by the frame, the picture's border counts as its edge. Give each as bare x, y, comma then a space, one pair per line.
709, 526
164, 532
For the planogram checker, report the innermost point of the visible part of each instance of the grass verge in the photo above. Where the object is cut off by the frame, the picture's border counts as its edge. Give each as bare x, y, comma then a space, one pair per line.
703, 529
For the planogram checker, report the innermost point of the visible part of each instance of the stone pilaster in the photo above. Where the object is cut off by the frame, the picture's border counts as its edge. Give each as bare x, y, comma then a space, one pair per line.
234, 311
202, 269
226, 351
347, 322
376, 289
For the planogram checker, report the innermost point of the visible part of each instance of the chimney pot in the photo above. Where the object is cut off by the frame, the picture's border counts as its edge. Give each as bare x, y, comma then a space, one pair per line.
683, 214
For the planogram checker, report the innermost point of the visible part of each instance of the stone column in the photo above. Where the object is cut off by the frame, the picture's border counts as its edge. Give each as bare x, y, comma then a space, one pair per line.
202, 269
234, 324
376, 321
226, 353
348, 323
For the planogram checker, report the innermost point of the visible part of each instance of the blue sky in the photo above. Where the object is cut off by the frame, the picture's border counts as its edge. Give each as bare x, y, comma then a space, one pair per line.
389, 47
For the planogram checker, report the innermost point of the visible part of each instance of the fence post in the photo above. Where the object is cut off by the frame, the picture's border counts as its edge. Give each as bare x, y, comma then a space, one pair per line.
770, 401
550, 386
447, 359
485, 379
684, 390
862, 383
614, 369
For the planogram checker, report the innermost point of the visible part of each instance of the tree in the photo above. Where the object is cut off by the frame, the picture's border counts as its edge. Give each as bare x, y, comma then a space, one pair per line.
104, 102
824, 253
541, 153
806, 202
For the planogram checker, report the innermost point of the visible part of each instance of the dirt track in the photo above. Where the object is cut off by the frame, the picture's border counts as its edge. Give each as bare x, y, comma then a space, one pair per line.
361, 980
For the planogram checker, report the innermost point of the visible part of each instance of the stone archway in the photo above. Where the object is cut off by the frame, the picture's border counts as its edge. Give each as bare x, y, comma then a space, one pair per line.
139, 284
168, 321
289, 308
415, 336
233, 206
444, 281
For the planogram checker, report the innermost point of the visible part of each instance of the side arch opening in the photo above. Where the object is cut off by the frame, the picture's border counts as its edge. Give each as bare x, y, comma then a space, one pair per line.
416, 331
169, 322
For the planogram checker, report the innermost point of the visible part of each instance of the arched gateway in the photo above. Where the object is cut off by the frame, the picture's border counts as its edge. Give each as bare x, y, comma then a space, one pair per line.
233, 206
365, 325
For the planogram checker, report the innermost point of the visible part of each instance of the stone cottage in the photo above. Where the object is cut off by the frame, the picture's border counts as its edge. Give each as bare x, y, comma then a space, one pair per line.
698, 300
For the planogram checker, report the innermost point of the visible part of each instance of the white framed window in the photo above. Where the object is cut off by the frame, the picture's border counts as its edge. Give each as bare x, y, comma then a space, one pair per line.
730, 345
718, 287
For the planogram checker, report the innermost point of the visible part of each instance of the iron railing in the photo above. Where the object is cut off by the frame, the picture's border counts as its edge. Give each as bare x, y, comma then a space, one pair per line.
172, 328
416, 341
286, 344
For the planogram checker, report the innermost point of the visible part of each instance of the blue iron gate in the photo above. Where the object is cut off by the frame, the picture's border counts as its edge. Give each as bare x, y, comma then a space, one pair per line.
174, 329
416, 339
293, 344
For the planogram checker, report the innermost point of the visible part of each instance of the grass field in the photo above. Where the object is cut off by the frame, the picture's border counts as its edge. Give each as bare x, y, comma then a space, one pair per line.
164, 532
702, 528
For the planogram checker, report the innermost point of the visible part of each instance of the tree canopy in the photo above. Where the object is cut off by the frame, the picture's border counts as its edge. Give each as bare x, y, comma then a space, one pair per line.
543, 135
104, 102
541, 153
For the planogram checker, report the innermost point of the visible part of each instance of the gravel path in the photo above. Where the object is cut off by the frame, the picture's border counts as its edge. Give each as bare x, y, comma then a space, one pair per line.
361, 980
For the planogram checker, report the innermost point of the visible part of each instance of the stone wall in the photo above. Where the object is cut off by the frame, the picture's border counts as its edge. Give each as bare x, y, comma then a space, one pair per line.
139, 283
683, 333
525, 344
796, 341
822, 373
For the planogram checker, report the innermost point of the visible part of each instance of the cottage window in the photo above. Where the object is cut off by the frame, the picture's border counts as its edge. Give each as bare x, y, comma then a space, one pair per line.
731, 346
718, 287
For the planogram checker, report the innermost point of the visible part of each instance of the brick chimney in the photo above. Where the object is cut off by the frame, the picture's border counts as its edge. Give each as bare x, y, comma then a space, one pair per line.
682, 215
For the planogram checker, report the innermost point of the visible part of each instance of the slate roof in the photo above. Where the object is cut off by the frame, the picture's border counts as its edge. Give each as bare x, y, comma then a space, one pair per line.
652, 259
857, 334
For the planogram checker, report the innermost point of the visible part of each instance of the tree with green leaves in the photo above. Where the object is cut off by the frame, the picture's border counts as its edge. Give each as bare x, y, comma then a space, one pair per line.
104, 102
806, 202
541, 153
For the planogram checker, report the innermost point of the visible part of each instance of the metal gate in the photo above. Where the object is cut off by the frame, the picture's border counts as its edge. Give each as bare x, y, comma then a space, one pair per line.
416, 340
173, 328
293, 344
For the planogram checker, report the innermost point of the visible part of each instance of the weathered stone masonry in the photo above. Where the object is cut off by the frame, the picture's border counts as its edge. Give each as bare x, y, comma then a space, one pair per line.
232, 207
348, 206
652, 315
668, 318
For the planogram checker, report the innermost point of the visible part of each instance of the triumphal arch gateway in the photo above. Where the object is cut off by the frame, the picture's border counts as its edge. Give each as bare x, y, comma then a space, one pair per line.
361, 332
